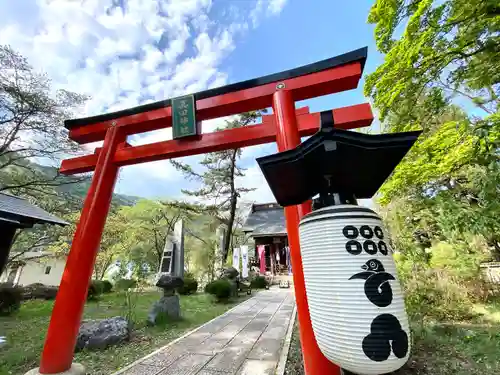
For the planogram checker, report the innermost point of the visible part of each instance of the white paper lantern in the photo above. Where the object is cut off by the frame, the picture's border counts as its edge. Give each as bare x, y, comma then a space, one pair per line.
354, 295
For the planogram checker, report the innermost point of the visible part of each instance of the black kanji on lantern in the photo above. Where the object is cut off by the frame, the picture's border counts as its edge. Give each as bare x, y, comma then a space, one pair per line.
356, 245
379, 233
353, 247
350, 231
382, 247
377, 287
385, 335
370, 247
366, 231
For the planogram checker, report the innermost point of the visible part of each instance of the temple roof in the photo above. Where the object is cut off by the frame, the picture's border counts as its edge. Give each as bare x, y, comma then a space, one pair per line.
20, 212
265, 220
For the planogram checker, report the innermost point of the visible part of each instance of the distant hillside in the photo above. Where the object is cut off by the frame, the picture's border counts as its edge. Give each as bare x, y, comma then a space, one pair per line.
77, 189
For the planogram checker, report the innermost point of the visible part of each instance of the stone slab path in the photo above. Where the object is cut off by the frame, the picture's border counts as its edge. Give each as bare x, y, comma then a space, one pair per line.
245, 341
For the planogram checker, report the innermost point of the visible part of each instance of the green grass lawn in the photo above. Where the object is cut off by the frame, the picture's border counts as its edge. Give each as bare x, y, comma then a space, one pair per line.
25, 331
455, 348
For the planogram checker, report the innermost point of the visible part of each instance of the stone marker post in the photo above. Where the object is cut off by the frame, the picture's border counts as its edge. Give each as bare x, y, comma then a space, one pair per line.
170, 276
178, 240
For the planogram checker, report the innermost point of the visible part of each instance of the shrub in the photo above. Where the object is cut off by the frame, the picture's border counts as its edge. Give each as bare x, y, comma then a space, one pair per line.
35, 285
220, 289
99, 286
49, 292
125, 284
190, 286
107, 286
437, 294
458, 259
40, 291
96, 288
32, 291
10, 299
259, 282
92, 293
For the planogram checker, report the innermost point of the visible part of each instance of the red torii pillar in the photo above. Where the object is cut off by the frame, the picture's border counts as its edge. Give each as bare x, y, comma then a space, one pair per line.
279, 91
288, 138
61, 337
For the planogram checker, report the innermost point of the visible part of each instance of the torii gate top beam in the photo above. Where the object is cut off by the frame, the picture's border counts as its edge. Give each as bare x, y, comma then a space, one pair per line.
328, 76
336, 74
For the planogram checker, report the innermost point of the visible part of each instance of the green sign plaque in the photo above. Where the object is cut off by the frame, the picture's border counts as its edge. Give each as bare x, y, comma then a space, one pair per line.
184, 117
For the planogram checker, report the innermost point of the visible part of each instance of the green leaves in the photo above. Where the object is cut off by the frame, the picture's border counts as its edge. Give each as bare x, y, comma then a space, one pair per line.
441, 70
452, 46
31, 116
431, 161
385, 14
441, 74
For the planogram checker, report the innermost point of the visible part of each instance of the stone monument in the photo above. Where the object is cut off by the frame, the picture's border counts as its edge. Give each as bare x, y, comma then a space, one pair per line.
221, 235
170, 276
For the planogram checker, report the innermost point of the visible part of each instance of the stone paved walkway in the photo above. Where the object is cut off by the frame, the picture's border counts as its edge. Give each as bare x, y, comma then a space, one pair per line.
245, 341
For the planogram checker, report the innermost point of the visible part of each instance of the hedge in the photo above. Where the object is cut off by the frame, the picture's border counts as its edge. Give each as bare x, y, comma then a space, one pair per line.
190, 286
10, 299
220, 289
259, 282
107, 286
96, 288
40, 291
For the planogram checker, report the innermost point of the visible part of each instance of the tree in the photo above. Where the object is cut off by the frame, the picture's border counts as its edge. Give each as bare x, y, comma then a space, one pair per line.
447, 48
113, 244
31, 118
448, 183
239, 237
201, 245
31, 130
147, 225
219, 181
441, 74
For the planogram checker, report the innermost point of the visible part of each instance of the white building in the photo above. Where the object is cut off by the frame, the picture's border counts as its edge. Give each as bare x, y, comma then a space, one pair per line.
35, 267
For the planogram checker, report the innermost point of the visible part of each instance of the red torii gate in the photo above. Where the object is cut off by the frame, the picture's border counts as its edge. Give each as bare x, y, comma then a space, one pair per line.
285, 126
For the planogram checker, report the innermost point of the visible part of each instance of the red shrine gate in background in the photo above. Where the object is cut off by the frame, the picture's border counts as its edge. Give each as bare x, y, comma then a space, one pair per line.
285, 127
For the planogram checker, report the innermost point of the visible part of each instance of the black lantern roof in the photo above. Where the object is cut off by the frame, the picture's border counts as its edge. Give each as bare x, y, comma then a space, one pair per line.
335, 161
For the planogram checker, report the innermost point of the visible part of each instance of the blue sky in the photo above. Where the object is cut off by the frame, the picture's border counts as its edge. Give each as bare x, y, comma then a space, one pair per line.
125, 53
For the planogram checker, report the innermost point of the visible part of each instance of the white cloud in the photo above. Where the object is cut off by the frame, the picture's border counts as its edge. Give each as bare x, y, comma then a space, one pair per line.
252, 152
267, 8
121, 57
366, 203
275, 6
254, 179
102, 50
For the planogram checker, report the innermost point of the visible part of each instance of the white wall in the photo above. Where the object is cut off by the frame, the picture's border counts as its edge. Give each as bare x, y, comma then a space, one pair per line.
34, 272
